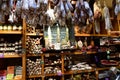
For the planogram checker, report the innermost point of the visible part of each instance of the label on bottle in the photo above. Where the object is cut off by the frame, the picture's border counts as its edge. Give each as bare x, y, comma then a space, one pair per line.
47, 55
37, 33
1, 55
57, 46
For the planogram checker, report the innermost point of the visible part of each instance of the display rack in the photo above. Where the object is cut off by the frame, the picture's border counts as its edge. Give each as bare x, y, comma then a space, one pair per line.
24, 55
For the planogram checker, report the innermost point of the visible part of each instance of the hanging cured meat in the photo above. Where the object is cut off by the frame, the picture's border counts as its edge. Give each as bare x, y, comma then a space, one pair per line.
117, 7
62, 11
18, 8
32, 4
4, 10
50, 15
4, 7
12, 15
108, 24
0, 2
34, 12
28, 9
82, 13
2, 18
97, 15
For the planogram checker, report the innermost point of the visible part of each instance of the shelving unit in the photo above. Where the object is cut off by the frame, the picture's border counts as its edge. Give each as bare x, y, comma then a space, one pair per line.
62, 53
34, 34
12, 57
10, 32
42, 76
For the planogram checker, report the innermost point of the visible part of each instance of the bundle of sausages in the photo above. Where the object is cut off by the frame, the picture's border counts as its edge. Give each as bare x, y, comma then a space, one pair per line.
63, 10
82, 12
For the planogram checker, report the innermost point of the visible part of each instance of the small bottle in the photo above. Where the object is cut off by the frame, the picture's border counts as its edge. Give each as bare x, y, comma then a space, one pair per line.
14, 28
20, 28
5, 27
1, 27
9, 28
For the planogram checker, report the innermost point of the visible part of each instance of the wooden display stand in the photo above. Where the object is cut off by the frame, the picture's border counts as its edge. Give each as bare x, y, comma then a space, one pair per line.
24, 55
42, 76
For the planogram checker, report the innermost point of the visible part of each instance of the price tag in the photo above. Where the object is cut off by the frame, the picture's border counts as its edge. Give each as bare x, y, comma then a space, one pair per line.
47, 55
1, 55
62, 75
10, 76
42, 62
99, 50
89, 73
37, 53
23, 50
59, 73
37, 33
84, 53
75, 71
108, 57
108, 52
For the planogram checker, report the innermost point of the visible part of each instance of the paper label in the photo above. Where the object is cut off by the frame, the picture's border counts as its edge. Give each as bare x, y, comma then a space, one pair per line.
1, 55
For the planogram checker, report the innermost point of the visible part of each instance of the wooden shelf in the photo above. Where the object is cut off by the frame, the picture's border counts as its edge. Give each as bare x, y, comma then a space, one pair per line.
89, 35
100, 69
80, 52
51, 75
73, 72
33, 55
115, 33
10, 32
58, 64
78, 35
65, 53
86, 71
34, 34
98, 35
79, 71
101, 35
41, 34
88, 52
105, 68
12, 56
34, 76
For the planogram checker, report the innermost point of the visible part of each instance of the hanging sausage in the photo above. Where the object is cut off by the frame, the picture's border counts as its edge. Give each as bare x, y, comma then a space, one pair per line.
108, 24
82, 13
18, 8
97, 15
62, 11
4, 10
117, 7
12, 15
